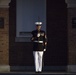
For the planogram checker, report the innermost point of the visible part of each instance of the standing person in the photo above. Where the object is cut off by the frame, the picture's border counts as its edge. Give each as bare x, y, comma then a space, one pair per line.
39, 43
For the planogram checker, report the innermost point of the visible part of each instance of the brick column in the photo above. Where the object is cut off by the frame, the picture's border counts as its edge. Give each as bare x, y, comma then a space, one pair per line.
4, 37
71, 7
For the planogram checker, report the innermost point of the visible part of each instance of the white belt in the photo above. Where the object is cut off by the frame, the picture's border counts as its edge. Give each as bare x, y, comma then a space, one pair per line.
39, 41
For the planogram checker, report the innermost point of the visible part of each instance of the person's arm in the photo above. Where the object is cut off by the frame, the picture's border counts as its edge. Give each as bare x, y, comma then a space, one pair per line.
45, 42
32, 38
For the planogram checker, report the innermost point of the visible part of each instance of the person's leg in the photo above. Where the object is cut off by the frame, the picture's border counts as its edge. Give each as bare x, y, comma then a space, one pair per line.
40, 60
35, 53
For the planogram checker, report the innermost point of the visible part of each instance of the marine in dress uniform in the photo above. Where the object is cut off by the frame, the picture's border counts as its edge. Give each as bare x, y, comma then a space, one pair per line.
39, 40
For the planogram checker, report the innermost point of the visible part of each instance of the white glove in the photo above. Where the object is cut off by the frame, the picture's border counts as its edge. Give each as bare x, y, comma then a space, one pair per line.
38, 35
44, 49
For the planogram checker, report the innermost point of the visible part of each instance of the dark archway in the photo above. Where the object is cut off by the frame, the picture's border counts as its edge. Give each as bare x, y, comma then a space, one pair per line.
57, 32
56, 54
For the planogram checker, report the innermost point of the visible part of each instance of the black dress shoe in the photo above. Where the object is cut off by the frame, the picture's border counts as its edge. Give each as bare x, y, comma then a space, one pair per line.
40, 71
36, 72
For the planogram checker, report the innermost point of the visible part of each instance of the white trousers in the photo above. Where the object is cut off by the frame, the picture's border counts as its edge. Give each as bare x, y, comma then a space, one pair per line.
38, 56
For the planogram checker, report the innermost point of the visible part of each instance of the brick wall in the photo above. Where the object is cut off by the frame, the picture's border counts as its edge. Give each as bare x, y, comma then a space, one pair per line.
71, 37
4, 37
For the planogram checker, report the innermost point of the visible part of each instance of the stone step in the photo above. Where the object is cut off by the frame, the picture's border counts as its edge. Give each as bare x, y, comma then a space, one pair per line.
33, 73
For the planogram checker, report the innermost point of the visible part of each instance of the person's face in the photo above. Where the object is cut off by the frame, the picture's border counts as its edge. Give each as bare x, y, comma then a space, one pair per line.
38, 27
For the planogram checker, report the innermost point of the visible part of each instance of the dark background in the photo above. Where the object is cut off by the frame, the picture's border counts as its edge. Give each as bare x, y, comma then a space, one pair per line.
20, 53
